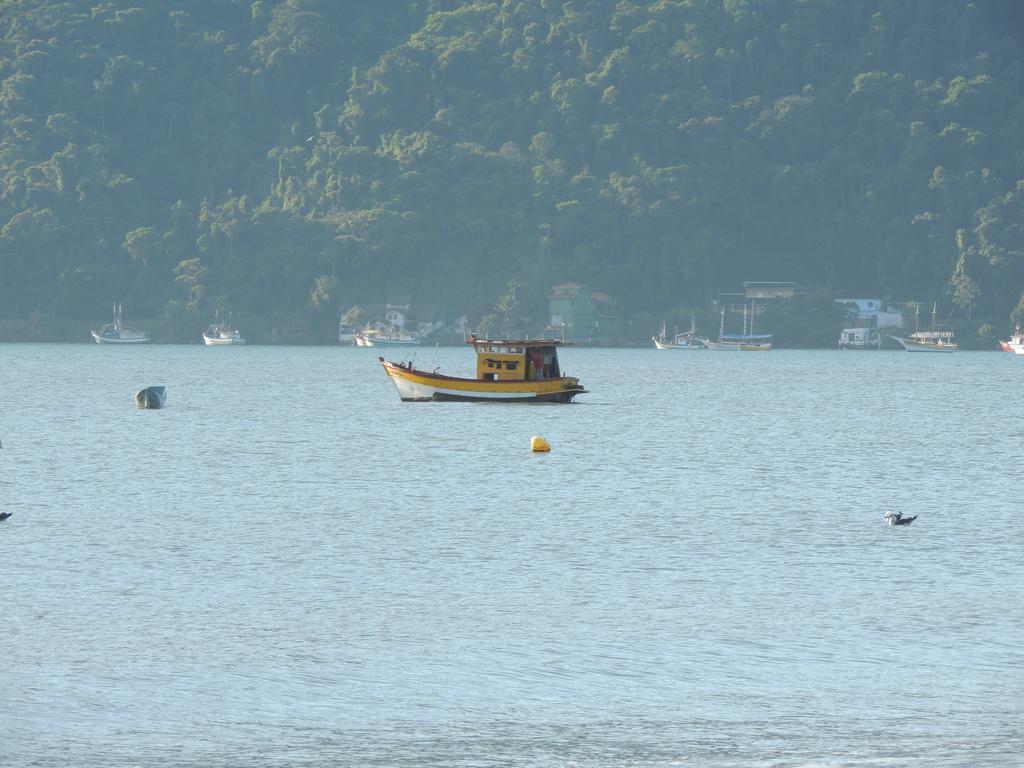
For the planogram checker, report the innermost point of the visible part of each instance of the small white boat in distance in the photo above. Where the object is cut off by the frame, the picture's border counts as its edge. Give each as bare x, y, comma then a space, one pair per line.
391, 338
1015, 344
687, 340
935, 340
119, 333
220, 334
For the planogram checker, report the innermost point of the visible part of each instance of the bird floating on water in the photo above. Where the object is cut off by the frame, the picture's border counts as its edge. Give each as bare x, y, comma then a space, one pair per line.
897, 518
5, 515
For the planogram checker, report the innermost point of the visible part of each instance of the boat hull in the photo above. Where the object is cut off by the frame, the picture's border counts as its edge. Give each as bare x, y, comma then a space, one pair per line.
669, 345
151, 398
217, 341
917, 346
719, 346
1014, 345
420, 386
102, 339
396, 342
386, 340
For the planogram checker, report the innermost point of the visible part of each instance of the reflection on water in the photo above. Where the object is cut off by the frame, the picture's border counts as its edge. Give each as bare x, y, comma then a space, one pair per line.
288, 566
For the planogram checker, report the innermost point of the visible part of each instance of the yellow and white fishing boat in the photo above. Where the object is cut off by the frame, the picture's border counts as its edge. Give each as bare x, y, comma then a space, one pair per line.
524, 371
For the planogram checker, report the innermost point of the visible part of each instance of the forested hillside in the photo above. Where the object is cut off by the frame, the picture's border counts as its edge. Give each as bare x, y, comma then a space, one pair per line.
282, 159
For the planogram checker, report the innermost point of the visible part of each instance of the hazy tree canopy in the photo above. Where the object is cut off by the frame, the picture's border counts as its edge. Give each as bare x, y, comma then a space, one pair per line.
292, 158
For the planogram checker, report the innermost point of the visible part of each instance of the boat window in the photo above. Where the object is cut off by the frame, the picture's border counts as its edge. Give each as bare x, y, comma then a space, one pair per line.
511, 365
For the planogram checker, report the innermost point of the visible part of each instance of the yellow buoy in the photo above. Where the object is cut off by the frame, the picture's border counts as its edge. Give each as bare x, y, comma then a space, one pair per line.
539, 444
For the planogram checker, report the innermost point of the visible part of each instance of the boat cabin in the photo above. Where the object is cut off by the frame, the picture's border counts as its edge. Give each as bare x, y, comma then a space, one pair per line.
531, 360
936, 338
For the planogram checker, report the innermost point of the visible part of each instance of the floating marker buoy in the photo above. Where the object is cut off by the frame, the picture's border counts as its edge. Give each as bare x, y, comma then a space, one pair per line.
539, 444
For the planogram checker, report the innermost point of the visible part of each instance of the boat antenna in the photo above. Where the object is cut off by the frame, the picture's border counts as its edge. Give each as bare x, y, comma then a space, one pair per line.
434, 357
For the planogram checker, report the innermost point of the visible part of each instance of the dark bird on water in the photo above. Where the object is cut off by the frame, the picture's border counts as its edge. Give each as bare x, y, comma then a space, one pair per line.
897, 518
5, 515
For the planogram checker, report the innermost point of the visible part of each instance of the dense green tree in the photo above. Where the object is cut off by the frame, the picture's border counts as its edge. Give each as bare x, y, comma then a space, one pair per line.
188, 155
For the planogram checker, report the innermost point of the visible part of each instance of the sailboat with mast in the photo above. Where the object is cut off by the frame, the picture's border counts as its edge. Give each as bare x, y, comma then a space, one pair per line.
934, 340
119, 333
748, 341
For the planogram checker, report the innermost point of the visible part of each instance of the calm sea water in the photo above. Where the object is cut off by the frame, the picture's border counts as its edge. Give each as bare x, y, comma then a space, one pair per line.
287, 566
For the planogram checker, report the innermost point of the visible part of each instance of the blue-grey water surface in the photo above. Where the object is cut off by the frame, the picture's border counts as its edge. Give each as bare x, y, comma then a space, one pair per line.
287, 566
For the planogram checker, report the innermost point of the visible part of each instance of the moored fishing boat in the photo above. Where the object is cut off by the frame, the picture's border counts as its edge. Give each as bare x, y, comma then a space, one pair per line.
506, 371
686, 341
1015, 344
390, 338
222, 334
119, 333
